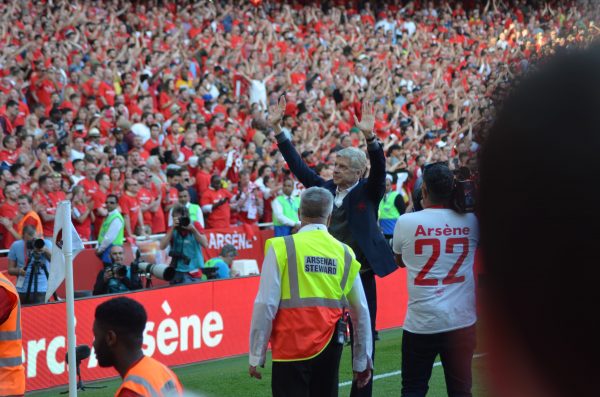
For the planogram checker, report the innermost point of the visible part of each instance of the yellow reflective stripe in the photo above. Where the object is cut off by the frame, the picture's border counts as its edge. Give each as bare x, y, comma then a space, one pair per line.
311, 302
295, 301
290, 248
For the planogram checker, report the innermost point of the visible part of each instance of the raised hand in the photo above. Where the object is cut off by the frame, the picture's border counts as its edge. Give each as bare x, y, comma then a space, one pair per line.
367, 122
276, 112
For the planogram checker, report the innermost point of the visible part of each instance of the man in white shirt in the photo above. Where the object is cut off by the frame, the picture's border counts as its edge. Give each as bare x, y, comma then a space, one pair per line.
299, 307
437, 245
285, 211
111, 232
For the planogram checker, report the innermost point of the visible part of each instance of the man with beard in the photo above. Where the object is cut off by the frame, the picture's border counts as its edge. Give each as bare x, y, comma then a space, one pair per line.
118, 336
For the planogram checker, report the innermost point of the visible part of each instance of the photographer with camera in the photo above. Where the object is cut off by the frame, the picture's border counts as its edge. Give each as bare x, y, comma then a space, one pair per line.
29, 260
116, 276
437, 245
185, 242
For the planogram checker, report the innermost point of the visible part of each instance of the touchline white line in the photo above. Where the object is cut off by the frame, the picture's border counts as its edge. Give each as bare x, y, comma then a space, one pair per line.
394, 373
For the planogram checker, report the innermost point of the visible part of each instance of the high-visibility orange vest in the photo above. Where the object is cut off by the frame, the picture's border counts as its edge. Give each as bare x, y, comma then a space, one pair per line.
38, 225
151, 378
317, 272
12, 371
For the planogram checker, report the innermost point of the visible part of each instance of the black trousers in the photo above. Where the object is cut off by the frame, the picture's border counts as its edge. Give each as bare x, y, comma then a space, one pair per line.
456, 352
370, 287
317, 377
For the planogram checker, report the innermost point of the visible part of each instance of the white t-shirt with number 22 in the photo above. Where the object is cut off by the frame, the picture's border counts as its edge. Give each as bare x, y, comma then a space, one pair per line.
438, 248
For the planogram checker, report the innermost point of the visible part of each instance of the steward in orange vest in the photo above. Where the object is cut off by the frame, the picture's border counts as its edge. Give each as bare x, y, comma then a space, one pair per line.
12, 371
307, 280
118, 335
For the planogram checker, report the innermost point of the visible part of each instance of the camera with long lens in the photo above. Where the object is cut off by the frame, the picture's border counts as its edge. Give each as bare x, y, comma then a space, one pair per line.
160, 271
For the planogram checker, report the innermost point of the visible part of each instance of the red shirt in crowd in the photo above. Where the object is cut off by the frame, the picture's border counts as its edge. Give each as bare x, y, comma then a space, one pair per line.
83, 229
99, 202
202, 182
10, 212
156, 220
130, 207
90, 187
220, 217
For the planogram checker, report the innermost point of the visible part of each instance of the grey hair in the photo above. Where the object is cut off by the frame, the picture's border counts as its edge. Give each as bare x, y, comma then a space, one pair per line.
153, 161
316, 202
358, 158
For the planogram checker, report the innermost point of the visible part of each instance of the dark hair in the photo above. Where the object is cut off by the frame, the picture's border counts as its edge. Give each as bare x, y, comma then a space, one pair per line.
6, 139
439, 181
539, 222
15, 168
9, 183
99, 176
262, 169
11, 103
173, 173
126, 317
43, 179
113, 196
26, 197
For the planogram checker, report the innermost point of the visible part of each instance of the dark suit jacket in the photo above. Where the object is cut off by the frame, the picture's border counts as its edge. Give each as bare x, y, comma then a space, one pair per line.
361, 205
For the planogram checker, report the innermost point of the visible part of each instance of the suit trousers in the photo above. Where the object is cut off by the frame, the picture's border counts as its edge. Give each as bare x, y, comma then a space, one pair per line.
315, 377
370, 287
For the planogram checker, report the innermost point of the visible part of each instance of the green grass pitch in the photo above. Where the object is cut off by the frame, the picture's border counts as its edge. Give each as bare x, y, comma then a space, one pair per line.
229, 377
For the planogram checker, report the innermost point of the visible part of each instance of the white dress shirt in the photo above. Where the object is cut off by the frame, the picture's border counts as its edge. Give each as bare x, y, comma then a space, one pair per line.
340, 194
267, 303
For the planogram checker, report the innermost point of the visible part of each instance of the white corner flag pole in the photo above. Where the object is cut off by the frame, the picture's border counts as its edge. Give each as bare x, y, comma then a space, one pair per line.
67, 236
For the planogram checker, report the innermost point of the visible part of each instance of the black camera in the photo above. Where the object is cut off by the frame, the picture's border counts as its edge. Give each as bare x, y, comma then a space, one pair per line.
178, 257
37, 244
184, 221
119, 271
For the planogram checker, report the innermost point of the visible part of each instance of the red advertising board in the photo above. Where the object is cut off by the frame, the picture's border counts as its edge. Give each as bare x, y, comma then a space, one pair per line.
186, 324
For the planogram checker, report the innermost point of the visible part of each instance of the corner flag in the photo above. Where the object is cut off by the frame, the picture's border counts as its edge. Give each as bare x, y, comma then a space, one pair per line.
62, 225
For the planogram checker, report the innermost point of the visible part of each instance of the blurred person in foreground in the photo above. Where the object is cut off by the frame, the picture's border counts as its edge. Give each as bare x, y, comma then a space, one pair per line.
118, 337
540, 324
12, 371
356, 203
437, 245
307, 281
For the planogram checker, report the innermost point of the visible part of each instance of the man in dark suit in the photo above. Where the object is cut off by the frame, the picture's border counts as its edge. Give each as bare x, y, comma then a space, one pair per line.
354, 217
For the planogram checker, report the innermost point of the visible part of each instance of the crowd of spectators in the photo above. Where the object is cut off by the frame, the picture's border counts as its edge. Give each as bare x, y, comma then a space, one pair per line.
150, 101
